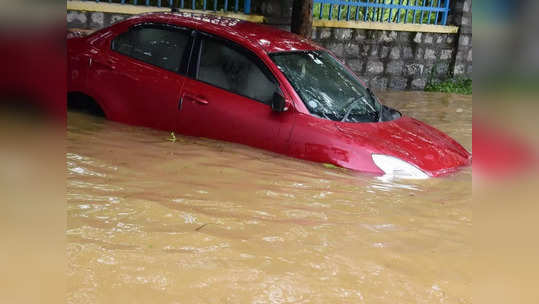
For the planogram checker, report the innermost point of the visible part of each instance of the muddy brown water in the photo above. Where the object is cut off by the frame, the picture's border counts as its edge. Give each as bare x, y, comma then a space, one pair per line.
202, 221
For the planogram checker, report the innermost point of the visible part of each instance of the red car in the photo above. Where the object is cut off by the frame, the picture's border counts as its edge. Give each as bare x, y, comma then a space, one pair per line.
248, 83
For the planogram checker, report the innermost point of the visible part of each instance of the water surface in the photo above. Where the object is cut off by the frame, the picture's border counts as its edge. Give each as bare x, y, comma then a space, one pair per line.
202, 221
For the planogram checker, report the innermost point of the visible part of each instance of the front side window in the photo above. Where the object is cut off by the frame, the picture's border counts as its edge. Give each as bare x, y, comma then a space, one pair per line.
327, 88
123, 43
231, 69
159, 46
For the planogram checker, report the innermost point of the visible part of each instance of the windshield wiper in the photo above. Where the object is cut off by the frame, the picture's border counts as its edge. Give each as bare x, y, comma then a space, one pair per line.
375, 99
349, 108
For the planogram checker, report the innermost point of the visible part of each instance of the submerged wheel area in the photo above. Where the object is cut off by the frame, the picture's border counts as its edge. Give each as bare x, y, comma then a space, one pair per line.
80, 102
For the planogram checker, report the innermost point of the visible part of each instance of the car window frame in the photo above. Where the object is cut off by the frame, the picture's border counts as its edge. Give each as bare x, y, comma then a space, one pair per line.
185, 60
194, 65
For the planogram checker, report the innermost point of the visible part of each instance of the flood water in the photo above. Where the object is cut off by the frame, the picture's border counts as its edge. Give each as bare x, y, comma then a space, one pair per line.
202, 221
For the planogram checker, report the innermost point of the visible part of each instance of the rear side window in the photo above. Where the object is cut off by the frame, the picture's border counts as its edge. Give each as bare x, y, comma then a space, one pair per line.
234, 70
159, 46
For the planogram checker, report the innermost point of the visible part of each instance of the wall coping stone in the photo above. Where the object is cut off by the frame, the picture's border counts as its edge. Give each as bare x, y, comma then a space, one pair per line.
130, 9
385, 26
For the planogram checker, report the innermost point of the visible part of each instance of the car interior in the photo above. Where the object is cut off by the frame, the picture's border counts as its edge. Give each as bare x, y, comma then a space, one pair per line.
227, 68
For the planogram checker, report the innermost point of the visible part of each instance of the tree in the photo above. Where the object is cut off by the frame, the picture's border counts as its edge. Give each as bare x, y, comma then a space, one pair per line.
302, 18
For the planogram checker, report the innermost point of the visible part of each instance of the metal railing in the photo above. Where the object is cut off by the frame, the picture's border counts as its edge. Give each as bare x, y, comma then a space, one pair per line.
243, 6
394, 11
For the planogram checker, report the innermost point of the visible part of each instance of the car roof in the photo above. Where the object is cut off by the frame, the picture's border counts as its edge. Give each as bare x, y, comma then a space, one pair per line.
269, 39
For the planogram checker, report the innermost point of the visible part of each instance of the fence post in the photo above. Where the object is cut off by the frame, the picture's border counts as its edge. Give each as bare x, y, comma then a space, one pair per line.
446, 12
302, 18
247, 7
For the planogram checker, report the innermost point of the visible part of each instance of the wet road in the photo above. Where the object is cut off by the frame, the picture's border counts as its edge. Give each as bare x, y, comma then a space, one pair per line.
202, 221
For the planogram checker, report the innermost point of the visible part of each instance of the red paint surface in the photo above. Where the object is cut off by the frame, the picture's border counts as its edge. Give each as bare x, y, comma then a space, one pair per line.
500, 153
33, 70
133, 92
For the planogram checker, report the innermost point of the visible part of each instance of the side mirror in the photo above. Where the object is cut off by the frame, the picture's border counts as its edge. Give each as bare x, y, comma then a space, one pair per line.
278, 103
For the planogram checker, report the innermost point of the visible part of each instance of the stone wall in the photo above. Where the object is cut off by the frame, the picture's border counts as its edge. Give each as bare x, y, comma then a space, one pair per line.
390, 59
384, 59
92, 20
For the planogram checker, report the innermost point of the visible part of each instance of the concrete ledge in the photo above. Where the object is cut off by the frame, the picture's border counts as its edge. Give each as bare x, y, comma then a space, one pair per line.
116, 8
425, 28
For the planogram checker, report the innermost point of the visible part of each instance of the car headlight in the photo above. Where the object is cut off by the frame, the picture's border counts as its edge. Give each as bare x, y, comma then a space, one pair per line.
394, 167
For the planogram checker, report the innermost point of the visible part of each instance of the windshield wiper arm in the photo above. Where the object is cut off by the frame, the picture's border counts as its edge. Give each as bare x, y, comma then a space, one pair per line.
349, 108
373, 97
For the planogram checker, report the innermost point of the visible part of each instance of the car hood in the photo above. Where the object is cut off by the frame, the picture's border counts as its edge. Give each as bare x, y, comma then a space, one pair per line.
412, 141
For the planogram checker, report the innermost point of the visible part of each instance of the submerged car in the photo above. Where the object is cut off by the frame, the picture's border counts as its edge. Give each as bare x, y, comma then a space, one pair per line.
252, 84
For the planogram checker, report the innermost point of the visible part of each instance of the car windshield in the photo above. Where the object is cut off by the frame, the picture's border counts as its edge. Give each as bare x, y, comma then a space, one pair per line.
326, 87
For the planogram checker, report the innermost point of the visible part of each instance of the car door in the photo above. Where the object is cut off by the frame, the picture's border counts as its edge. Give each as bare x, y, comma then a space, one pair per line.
138, 75
228, 97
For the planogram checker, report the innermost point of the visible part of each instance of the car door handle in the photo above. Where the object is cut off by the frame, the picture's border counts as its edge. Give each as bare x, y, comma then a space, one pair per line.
108, 64
199, 99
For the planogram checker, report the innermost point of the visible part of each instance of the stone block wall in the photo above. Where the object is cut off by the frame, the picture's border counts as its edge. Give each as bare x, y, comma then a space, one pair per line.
92, 20
384, 59
390, 59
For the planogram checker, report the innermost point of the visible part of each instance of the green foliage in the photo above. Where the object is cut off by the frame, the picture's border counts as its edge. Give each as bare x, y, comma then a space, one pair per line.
378, 14
453, 85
